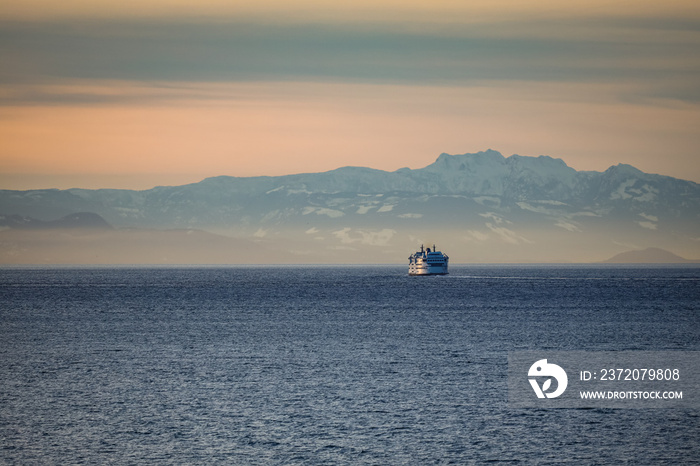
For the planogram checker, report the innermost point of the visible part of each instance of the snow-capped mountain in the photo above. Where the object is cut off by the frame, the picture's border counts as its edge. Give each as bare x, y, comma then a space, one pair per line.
490, 206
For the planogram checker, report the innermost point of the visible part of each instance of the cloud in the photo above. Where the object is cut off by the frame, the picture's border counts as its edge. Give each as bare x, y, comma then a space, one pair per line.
477, 235
495, 217
537, 209
230, 50
561, 223
369, 238
648, 225
507, 235
322, 211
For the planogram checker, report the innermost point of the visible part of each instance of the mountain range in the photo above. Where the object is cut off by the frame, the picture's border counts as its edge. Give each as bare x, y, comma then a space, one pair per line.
480, 207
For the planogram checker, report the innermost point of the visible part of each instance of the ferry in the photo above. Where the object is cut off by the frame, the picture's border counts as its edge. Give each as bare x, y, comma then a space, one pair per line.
427, 262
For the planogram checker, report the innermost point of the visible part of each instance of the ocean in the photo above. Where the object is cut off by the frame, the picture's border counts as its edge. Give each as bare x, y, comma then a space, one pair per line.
327, 364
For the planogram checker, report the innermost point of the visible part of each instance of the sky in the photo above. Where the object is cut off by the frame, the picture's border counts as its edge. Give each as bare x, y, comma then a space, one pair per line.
134, 94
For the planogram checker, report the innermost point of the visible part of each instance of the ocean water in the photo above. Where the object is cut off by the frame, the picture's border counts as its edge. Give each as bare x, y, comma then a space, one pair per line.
327, 365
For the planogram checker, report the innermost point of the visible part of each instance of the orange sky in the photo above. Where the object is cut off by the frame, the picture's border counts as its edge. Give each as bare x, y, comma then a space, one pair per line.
343, 10
88, 106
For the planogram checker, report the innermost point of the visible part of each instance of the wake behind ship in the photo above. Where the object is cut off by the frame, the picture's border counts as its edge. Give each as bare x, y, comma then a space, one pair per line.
427, 262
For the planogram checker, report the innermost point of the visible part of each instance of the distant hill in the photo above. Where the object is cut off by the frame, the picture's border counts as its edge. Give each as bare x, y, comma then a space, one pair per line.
648, 256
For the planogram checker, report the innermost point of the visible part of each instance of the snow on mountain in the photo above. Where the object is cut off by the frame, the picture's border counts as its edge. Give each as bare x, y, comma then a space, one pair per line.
477, 200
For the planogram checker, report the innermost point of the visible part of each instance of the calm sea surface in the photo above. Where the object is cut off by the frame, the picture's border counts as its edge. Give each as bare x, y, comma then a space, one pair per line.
334, 365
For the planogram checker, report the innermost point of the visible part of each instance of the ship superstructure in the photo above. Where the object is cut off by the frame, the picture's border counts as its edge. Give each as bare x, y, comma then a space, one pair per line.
428, 262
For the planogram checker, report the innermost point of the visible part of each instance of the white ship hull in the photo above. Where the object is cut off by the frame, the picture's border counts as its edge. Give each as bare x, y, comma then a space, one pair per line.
427, 270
